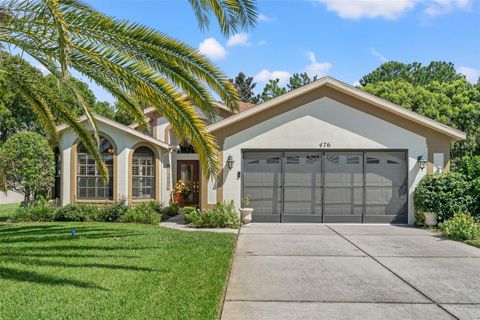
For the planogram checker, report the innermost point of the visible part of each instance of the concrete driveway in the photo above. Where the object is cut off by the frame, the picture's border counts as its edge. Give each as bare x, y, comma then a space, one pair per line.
318, 271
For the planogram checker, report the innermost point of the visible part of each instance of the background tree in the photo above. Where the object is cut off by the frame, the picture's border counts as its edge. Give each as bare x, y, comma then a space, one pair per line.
137, 65
298, 80
15, 110
414, 73
272, 90
28, 165
245, 87
436, 91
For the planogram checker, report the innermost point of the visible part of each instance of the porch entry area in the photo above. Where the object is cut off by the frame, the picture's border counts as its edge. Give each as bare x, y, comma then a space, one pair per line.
364, 186
189, 172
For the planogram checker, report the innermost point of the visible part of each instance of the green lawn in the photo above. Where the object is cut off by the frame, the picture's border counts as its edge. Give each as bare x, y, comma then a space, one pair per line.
111, 271
7, 210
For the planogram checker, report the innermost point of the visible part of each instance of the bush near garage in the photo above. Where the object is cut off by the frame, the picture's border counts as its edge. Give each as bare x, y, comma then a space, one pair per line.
460, 227
223, 215
469, 167
444, 194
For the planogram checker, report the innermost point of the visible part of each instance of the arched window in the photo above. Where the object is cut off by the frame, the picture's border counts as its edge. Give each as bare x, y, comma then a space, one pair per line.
90, 184
143, 174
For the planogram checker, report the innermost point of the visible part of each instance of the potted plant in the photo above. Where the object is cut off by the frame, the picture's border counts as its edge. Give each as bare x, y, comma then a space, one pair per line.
178, 191
245, 211
424, 202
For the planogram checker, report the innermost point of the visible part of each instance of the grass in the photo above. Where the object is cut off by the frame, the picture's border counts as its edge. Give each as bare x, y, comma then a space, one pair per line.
7, 210
111, 271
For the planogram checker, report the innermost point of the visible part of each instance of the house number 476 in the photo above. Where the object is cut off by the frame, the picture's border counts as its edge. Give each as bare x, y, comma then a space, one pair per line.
325, 145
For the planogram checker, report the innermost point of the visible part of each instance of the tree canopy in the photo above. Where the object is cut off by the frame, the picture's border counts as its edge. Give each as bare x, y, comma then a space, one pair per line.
28, 165
15, 110
245, 87
414, 73
436, 91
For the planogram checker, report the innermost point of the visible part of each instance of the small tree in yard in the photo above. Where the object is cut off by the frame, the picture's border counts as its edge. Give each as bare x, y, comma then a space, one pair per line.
27, 165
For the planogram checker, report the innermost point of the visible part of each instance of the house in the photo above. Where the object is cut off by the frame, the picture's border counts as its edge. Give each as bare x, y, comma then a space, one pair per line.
326, 152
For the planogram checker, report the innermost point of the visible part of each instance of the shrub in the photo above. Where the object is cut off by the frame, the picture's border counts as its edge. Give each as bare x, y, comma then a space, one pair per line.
112, 212
468, 166
223, 215
188, 209
170, 211
40, 210
146, 213
474, 208
461, 227
444, 194
76, 212
192, 215
27, 165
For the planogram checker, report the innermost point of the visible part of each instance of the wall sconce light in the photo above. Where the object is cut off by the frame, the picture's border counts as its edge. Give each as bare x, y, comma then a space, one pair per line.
230, 162
422, 162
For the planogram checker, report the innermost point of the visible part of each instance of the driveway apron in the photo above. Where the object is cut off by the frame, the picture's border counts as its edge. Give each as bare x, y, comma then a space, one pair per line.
320, 271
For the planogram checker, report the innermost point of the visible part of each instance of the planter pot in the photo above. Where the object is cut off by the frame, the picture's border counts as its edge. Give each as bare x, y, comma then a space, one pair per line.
246, 215
430, 219
178, 197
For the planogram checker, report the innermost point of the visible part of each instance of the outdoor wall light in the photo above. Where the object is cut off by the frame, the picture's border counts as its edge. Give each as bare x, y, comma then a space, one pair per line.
422, 162
230, 162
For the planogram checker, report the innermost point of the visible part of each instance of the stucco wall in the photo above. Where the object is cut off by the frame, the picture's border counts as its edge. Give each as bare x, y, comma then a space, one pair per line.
10, 197
323, 120
124, 143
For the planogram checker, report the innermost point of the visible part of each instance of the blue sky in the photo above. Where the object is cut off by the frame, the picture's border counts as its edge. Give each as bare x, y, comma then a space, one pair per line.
342, 38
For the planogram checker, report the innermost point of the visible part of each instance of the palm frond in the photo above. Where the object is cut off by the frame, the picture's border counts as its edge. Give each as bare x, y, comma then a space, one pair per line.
138, 65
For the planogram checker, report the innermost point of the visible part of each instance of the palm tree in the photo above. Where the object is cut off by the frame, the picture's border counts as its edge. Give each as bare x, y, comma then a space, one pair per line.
138, 65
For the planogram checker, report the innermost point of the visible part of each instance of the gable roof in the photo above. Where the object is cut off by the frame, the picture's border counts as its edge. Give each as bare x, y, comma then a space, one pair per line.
242, 106
349, 90
121, 127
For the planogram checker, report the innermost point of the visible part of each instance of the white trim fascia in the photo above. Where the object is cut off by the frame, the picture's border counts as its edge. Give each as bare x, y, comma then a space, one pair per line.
350, 90
121, 127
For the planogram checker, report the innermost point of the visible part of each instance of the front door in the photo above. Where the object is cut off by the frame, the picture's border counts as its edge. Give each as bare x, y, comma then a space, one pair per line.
188, 172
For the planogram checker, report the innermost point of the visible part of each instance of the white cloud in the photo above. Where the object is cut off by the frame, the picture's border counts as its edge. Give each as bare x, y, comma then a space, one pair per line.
357, 9
212, 49
264, 18
265, 75
356, 84
316, 68
261, 42
391, 9
239, 39
378, 54
439, 7
470, 73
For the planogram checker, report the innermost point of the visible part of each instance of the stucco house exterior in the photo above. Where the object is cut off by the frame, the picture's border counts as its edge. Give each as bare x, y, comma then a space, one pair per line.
326, 152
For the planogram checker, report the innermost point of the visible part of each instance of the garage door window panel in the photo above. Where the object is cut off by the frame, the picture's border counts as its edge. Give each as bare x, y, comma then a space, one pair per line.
343, 184
385, 183
262, 181
303, 183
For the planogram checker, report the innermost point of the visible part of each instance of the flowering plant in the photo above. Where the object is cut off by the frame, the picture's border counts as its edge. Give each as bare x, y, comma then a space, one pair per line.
179, 187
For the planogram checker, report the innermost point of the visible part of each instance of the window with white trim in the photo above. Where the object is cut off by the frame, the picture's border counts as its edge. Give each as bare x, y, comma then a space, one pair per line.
90, 183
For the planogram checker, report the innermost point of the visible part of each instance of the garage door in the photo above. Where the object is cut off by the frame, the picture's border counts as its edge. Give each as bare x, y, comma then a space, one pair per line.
333, 186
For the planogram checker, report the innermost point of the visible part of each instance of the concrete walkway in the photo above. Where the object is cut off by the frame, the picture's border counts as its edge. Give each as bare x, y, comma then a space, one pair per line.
315, 271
